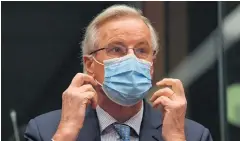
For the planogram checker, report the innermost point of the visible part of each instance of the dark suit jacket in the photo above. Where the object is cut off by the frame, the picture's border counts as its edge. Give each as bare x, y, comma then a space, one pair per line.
43, 127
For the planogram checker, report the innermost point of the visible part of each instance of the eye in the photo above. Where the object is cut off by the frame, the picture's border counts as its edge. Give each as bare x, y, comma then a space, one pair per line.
116, 49
141, 50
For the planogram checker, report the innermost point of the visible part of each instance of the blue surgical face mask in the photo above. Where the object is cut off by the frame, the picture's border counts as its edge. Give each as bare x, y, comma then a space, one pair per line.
126, 79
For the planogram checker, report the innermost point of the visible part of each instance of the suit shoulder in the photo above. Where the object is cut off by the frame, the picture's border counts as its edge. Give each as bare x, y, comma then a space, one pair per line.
44, 126
50, 116
193, 124
194, 129
48, 123
50, 119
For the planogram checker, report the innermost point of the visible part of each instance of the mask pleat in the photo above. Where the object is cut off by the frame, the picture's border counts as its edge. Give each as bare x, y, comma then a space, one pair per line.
127, 79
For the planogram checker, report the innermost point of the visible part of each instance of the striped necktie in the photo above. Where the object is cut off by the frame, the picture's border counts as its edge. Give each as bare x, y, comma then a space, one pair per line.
123, 130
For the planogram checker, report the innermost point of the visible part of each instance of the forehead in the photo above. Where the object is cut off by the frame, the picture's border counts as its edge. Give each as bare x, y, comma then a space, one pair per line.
129, 30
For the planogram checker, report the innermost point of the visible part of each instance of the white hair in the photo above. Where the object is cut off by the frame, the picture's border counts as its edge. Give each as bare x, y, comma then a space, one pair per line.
90, 39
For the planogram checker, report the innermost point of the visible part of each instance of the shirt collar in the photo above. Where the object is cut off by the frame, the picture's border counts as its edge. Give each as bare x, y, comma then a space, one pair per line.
105, 119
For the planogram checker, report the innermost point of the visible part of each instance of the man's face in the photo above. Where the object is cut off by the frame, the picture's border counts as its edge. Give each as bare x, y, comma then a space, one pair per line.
129, 32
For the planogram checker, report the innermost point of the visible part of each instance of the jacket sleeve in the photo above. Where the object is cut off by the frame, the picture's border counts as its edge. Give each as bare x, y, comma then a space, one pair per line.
32, 132
206, 136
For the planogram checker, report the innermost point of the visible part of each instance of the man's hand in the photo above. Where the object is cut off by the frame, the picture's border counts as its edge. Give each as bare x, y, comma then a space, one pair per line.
174, 107
75, 99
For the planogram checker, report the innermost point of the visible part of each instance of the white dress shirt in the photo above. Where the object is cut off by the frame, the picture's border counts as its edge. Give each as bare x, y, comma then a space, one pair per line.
107, 130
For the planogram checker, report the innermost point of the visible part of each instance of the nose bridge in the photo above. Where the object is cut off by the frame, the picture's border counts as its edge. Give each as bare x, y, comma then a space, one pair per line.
130, 51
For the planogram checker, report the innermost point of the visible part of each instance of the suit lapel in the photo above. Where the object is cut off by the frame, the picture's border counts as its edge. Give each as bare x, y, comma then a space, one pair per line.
151, 126
90, 130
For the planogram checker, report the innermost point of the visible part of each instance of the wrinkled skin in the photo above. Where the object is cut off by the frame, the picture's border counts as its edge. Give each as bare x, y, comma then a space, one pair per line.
83, 90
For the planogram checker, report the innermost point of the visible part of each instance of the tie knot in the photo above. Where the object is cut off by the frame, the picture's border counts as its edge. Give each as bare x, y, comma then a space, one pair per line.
123, 130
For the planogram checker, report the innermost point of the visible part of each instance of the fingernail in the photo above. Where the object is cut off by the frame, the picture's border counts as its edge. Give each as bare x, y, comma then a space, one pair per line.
150, 99
158, 83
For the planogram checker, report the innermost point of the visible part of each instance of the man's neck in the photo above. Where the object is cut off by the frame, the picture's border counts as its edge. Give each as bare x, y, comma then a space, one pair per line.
118, 112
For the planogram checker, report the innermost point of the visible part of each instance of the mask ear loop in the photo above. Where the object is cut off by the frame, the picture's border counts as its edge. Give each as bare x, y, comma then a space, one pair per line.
98, 82
91, 56
97, 61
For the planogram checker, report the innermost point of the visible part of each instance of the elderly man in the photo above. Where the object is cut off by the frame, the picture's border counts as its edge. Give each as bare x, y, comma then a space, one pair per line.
106, 103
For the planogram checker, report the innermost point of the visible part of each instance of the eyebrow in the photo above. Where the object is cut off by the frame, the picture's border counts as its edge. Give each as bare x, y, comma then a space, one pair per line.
123, 44
143, 43
117, 42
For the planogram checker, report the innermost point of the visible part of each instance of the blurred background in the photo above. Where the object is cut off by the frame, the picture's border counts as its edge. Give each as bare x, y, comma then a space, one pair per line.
200, 45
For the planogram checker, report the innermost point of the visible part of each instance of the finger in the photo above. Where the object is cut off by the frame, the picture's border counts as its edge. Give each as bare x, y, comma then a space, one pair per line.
176, 84
94, 101
162, 100
162, 92
86, 102
87, 87
91, 98
80, 78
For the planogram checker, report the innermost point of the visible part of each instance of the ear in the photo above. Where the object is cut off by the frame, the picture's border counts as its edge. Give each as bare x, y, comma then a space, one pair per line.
152, 70
88, 65
152, 67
